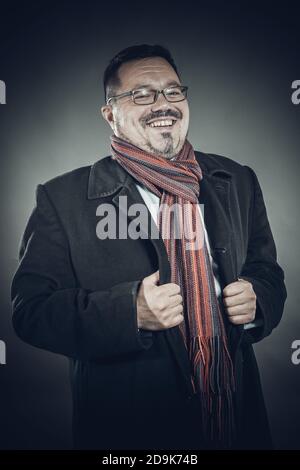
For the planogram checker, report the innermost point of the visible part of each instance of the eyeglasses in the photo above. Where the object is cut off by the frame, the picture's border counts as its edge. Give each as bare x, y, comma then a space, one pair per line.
142, 96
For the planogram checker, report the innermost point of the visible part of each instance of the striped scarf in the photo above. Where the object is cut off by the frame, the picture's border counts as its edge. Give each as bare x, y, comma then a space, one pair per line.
177, 182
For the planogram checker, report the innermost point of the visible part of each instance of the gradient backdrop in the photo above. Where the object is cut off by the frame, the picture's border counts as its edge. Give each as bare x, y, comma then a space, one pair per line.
239, 61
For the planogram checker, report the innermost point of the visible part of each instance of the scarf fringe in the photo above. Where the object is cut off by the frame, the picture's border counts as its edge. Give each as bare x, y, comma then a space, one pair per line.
213, 378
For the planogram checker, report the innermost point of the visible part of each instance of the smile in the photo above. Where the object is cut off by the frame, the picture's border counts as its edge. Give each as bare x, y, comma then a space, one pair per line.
162, 123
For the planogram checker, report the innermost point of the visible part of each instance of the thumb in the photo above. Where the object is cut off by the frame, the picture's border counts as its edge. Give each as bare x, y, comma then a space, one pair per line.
153, 278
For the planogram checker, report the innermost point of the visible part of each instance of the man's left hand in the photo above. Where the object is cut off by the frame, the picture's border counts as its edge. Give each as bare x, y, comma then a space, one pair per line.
239, 300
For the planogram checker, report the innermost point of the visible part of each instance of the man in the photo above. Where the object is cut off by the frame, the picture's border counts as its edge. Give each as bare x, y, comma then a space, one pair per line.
159, 333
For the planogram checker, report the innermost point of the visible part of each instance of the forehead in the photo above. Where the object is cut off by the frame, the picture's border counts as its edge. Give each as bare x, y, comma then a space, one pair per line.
148, 71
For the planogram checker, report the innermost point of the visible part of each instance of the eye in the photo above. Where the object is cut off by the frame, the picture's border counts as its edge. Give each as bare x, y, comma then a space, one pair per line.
143, 93
144, 96
175, 93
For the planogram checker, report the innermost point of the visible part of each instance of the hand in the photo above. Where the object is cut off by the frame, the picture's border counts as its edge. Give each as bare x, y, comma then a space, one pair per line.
158, 307
239, 300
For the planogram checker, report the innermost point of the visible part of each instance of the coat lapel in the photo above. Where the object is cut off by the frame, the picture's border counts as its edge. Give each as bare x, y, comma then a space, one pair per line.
215, 203
133, 196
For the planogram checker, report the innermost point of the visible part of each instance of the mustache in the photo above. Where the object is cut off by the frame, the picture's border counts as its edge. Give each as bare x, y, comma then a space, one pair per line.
163, 114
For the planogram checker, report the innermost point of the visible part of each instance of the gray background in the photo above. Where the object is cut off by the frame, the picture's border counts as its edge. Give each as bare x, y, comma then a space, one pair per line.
239, 61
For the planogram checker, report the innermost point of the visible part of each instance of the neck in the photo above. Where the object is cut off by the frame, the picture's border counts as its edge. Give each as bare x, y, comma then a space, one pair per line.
127, 143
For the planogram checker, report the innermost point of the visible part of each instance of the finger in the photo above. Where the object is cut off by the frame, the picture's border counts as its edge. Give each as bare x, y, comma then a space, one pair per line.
238, 299
179, 319
240, 319
174, 289
176, 320
234, 288
174, 311
175, 300
238, 310
152, 279
169, 289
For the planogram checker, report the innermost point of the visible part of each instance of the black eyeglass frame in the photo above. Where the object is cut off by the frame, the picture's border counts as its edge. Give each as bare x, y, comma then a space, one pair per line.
157, 93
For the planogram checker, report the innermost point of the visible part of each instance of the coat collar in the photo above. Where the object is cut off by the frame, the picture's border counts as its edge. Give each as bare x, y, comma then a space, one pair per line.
107, 176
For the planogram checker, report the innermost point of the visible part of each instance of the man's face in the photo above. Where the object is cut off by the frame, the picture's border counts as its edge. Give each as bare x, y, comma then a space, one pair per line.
130, 121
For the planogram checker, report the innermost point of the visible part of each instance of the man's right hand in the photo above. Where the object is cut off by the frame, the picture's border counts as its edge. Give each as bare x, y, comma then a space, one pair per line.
158, 307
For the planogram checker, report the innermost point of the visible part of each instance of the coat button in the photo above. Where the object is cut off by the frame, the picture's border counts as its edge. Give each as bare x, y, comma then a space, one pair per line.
221, 250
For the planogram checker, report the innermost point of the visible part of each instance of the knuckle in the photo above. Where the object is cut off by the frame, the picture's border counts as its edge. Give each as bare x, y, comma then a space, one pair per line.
180, 308
160, 305
230, 311
226, 291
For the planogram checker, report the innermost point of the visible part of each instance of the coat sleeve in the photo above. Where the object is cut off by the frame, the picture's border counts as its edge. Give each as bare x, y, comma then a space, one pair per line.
52, 312
262, 269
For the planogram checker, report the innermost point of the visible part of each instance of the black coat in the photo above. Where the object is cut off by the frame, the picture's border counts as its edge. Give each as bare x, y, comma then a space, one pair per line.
75, 295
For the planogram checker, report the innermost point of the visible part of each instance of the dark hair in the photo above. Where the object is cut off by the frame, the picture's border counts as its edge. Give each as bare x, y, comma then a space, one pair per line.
111, 80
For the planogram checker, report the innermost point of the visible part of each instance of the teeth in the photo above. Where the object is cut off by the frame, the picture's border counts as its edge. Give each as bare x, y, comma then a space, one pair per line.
161, 123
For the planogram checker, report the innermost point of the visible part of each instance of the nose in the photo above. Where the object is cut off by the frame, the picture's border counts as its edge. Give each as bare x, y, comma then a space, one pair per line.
161, 102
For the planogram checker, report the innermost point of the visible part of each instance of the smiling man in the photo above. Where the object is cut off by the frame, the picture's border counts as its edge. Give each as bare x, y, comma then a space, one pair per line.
159, 336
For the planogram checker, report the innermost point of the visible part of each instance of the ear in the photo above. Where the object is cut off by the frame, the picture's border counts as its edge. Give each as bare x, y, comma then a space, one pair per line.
107, 114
